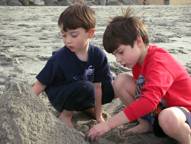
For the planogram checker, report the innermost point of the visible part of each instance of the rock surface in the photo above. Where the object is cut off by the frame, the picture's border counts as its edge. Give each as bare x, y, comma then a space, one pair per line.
66, 2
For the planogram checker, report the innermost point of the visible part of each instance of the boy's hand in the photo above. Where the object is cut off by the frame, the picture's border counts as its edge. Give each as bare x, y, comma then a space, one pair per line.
103, 127
38, 87
98, 130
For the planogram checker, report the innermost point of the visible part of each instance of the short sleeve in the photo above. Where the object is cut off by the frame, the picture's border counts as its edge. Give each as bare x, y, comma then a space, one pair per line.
47, 74
102, 72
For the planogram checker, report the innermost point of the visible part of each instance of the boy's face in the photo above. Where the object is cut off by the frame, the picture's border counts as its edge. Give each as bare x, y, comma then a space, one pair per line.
77, 39
128, 56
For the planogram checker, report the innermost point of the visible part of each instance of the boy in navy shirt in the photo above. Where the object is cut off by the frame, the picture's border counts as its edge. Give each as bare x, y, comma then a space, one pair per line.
77, 77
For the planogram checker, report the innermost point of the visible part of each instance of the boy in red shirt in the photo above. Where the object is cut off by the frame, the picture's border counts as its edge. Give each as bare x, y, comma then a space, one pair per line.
159, 92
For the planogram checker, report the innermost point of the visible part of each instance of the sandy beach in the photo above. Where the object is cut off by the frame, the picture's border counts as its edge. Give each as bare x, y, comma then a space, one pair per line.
29, 35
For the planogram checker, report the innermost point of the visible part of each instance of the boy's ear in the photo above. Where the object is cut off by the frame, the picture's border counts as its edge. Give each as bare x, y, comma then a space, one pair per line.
139, 40
91, 32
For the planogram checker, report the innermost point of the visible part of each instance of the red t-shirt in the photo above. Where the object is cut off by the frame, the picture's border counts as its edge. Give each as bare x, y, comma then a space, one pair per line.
165, 79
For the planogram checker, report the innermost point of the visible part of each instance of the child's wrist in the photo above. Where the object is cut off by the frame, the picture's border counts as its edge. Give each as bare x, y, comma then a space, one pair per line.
100, 119
109, 125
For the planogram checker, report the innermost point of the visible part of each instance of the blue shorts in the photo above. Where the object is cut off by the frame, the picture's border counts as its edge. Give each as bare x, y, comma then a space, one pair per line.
158, 130
78, 95
188, 116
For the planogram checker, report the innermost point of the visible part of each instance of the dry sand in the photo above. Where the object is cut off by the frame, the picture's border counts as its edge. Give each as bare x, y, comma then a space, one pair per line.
28, 35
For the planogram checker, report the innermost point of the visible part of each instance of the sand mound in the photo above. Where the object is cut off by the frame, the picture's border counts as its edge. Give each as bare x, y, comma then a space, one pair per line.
25, 119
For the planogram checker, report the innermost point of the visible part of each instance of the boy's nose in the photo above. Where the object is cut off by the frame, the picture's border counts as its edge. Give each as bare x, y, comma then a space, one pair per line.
67, 41
118, 59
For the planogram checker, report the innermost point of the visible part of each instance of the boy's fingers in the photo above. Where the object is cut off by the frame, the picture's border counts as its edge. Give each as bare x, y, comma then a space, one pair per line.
89, 138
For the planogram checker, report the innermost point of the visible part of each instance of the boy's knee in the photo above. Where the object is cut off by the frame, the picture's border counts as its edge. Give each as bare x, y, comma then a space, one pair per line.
124, 81
86, 87
168, 119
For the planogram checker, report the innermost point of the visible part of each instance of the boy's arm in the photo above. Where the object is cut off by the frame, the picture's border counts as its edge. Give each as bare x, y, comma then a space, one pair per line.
98, 102
38, 87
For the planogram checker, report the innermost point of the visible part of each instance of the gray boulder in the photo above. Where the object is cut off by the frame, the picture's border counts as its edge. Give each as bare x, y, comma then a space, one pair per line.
3, 2
63, 2
130, 2
51, 2
37, 2
102, 2
14, 3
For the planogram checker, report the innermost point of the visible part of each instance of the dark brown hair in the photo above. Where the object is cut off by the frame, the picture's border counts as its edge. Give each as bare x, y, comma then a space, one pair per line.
77, 15
124, 30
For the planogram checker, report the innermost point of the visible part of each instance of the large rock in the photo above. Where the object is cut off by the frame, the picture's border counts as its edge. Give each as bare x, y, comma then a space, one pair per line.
66, 2
3, 2
37, 2
14, 3
51, 2
63, 2
25, 2
25, 119
102, 2
130, 2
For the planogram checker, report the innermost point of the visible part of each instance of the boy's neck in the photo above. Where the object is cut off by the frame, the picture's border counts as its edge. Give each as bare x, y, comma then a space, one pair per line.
83, 54
144, 53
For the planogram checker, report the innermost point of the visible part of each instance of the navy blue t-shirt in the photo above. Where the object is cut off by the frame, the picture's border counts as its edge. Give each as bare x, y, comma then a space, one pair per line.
64, 67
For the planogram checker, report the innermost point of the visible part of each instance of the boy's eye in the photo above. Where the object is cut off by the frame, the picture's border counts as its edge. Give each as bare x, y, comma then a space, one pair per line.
62, 35
120, 52
74, 34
